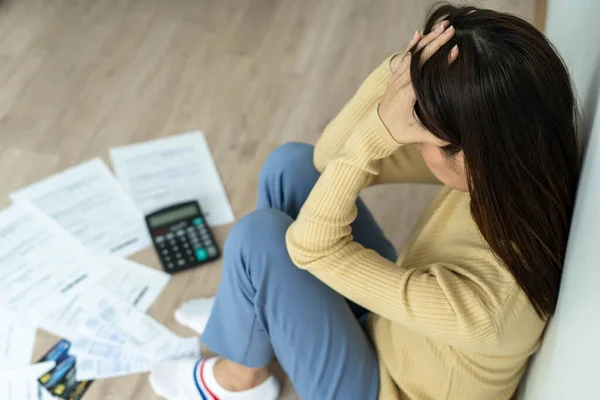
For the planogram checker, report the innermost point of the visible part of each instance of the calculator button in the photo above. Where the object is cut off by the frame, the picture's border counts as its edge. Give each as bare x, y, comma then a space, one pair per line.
175, 248
186, 246
188, 252
191, 259
181, 262
191, 229
180, 232
201, 254
170, 236
212, 251
198, 221
172, 242
167, 258
178, 255
170, 265
159, 239
165, 252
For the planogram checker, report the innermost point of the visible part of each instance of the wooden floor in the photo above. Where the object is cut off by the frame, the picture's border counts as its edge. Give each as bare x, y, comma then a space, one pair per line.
80, 76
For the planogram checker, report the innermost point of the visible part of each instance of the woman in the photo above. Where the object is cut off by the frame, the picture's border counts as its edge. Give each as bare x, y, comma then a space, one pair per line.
482, 104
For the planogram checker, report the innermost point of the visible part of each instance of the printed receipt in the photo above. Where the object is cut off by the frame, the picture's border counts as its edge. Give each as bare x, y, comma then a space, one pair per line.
164, 172
112, 338
87, 201
117, 339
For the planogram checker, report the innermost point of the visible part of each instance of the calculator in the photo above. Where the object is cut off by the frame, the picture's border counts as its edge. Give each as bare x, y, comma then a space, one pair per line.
181, 237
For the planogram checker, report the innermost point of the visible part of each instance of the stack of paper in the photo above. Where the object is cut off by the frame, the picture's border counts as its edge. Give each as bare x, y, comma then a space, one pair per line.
48, 277
62, 267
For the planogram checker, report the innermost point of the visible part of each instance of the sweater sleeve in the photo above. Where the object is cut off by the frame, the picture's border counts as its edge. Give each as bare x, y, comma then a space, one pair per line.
434, 300
404, 164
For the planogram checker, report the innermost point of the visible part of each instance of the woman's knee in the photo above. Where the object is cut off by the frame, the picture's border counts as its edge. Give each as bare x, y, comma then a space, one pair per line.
290, 155
260, 232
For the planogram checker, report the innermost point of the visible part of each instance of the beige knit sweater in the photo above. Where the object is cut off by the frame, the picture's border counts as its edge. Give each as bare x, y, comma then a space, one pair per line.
448, 321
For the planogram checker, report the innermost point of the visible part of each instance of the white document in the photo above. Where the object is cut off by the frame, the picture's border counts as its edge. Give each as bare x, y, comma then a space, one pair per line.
41, 266
136, 284
97, 360
95, 348
88, 203
98, 368
22, 384
17, 338
152, 338
172, 170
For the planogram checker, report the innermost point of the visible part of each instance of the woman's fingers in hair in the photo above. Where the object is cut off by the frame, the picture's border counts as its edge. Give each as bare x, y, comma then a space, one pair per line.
415, 39
453, 55
436, 44
398, 58
434, 33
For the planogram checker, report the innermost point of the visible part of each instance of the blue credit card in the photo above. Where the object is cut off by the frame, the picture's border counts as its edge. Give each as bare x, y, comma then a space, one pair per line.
68, 388
58, 352
50, 379
61, 380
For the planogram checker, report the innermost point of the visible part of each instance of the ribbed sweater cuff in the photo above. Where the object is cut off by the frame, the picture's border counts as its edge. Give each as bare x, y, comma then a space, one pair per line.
371, 140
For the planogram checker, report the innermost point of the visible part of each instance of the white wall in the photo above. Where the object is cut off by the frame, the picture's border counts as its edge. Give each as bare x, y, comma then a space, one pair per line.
568, 364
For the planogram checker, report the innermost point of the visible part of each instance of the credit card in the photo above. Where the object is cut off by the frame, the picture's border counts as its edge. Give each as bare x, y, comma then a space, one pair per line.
61, 380
56, 374
58, 352
68, 388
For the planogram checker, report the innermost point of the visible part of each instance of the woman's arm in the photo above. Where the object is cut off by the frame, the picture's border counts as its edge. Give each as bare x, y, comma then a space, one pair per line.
434, 300
405, 164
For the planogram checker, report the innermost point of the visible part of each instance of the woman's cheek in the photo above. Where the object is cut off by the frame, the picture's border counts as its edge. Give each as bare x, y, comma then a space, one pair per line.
432, 157
437, 164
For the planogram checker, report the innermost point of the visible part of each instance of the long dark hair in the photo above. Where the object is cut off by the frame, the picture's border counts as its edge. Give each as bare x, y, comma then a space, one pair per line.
507, 102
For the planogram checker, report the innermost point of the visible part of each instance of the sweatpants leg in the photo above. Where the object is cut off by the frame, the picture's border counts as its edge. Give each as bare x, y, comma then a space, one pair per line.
266, 306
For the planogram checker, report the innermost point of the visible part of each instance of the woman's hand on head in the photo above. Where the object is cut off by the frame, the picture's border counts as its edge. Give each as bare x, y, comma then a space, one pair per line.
396, 108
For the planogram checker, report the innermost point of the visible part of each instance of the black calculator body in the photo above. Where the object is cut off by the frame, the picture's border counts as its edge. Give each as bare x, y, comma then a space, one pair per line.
181, 237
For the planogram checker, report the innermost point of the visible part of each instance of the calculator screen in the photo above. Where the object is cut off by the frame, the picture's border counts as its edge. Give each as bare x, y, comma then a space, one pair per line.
173, 215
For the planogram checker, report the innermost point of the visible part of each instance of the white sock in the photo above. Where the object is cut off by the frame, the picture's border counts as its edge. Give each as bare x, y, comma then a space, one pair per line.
195, 313
192, 379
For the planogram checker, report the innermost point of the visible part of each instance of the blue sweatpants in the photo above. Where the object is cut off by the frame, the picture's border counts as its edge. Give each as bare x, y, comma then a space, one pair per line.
267, 307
